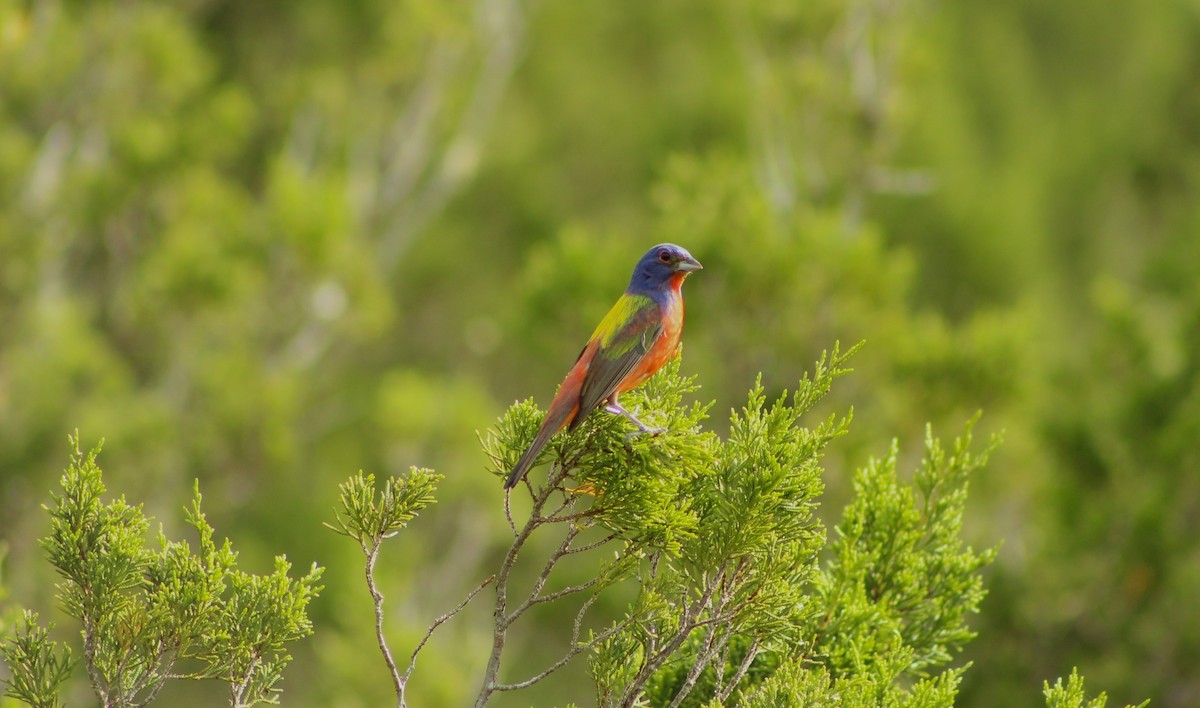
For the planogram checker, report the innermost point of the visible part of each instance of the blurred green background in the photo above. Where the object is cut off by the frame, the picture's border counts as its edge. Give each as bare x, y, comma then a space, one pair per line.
264, 245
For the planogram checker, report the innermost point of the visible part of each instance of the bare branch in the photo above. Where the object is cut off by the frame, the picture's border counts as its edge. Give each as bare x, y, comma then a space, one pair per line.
576, 648
569, 590
238, 690
89, 655
689, 622
555, 516
504, 618
751, 654
160, 675
722, 663
508, 511
412, 664
711, 649
590, 546
574, 651
540, 582
702, 660
500, 612
569, 517
577, 625
712, 645
397, 680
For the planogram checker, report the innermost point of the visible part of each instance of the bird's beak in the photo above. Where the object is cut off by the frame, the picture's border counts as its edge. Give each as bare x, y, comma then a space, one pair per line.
689, 264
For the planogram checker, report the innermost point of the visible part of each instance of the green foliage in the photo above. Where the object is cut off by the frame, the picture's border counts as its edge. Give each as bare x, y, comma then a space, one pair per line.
262, 614
369, 517
794, 684
258, 243
736, 586
39, 664
637, 479
148, 615
901, 579
1073, 696
736, 606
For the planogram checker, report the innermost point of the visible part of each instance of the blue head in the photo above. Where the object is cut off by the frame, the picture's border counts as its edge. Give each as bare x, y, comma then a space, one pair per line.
662, 267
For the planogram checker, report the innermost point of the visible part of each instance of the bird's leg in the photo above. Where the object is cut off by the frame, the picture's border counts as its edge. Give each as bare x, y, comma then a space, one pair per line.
612, 406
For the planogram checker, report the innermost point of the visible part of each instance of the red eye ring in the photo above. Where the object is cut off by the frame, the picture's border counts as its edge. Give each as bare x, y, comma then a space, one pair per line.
664, 256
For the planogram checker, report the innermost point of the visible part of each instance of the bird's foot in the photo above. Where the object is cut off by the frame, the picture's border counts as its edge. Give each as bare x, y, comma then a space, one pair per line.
643, 429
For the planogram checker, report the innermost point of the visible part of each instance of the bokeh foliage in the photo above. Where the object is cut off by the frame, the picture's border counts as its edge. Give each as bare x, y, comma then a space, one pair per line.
261, 244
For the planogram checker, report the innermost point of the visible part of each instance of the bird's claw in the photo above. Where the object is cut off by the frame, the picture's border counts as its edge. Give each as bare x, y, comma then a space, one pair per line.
643, 429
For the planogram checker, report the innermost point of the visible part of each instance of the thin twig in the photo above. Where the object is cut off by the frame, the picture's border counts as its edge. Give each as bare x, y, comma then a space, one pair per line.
412, 664
397, 680
569, 517
575, 650
540, 583
719, 668
569, 590
499, 613
712, 648
503, 618
590, 546
554, 516
118, 679
508, 511
576, 647
692, 614
577, 625
716, 619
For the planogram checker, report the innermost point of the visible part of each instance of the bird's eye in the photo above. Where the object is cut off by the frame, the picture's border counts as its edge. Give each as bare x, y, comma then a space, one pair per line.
664, 256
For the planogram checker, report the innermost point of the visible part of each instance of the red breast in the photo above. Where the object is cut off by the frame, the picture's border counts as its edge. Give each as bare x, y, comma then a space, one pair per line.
667, 344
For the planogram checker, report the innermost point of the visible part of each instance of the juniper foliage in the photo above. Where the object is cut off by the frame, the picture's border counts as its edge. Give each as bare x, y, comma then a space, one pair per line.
739, 596
39, 664
1073, 695
368, 517
150, 615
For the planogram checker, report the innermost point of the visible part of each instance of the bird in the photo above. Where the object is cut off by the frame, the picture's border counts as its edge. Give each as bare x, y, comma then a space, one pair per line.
634, 340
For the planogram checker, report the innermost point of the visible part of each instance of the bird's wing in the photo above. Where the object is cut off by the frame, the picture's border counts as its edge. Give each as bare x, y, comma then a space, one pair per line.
624, 336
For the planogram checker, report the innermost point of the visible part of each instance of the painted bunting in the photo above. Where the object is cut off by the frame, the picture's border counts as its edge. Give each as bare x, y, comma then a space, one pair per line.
633, 341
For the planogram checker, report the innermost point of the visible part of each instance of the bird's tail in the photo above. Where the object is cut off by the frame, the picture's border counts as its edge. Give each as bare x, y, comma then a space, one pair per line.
522, 467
